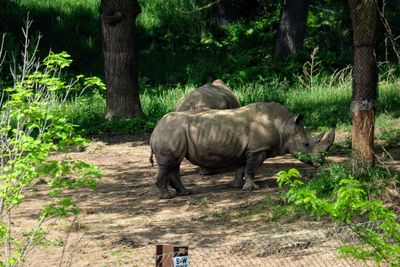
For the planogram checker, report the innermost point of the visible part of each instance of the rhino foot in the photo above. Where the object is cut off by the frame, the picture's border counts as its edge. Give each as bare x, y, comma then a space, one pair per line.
184, 193
239, 184
165, 196
249, 184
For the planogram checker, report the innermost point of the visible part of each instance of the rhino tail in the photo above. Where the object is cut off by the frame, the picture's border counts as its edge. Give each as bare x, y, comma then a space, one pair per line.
151, 157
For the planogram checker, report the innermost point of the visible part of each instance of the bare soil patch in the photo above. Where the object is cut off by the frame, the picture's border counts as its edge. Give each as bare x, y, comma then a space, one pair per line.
124, 212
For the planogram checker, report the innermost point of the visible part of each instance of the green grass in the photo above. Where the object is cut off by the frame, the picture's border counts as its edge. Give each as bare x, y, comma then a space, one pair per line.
322, 106
175, 44
75, 27
374, 180
66, 25
66, 6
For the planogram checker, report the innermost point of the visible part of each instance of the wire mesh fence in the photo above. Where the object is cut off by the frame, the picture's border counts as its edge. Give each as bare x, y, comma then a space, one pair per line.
305, 248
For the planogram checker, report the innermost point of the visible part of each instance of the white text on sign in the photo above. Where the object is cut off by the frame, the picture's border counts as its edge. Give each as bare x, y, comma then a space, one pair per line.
181, 261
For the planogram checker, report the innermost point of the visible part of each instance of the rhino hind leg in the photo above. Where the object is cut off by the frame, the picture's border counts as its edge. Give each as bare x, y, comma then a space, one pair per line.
161, 180
176, 183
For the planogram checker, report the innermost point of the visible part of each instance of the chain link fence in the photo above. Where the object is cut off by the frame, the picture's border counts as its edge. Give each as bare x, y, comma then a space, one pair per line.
305, 248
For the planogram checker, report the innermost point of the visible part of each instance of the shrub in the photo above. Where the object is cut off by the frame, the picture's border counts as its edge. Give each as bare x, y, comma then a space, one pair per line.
350, 203
33, 125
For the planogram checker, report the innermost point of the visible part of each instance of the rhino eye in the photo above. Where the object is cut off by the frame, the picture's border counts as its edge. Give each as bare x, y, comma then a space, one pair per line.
306, 144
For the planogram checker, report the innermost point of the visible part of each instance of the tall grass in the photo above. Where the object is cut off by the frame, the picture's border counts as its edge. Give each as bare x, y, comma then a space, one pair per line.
66, 25
181, 46
64, 6
322, 105
317, 103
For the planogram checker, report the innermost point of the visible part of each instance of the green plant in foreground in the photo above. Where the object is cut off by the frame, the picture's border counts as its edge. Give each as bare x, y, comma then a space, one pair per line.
32, 127
380, 243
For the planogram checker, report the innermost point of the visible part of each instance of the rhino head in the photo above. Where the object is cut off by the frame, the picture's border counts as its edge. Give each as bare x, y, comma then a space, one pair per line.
310, 150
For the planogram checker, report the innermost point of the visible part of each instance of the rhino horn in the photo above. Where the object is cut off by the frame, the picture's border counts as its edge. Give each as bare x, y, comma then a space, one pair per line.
328, 141
317, 138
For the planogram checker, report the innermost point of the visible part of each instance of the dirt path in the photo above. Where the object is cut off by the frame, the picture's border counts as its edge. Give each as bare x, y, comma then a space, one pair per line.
124, 212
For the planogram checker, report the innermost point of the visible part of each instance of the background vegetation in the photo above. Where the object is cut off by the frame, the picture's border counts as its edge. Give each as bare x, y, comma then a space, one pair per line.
184, 44
191, 44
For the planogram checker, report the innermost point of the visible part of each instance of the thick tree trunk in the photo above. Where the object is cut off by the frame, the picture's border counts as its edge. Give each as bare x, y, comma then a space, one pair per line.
120, 61
292, 27
365, 23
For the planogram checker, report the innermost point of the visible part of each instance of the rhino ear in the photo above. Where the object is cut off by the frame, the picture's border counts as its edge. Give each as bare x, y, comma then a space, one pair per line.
297, 119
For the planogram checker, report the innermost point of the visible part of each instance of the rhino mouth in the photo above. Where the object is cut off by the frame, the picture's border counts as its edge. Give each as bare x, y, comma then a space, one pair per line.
320, 148
313, 159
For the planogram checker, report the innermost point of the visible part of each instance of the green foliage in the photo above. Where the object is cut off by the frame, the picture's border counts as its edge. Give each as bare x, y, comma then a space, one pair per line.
311, 158
33, 125
57, 61
75, 27
380, 243
328, 177
180, 43
186, 41
328, 95
328, 27
134, 125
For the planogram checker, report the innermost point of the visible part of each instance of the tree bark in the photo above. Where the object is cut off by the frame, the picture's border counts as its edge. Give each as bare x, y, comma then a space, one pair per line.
120, 61
365, 24
292, 27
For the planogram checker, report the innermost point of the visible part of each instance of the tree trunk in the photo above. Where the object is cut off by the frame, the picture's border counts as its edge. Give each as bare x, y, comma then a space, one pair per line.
292, 27
120, 62
365, 24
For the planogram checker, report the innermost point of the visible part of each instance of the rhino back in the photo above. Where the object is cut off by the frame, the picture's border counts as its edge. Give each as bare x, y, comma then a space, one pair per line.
190, 101
215, 140
208, 97
220, 138
222, 94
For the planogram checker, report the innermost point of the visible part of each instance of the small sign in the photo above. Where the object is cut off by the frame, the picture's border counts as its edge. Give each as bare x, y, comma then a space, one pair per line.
181, 261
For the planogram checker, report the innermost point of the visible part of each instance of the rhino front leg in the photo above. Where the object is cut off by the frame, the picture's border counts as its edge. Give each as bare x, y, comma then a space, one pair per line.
238, 182
253, 161
176, 182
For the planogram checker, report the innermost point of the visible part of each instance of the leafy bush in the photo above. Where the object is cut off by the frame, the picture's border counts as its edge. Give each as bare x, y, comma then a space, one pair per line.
33, 125
349, 204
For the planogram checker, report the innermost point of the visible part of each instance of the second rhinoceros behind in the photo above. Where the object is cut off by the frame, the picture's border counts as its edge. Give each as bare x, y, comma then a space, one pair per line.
210, 96
242, 137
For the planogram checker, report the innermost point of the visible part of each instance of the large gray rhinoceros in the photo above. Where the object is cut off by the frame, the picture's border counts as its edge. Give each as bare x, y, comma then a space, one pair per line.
242, 137
210, 96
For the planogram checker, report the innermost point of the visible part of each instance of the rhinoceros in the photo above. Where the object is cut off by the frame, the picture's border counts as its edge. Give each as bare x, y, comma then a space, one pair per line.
210, 96
242, 137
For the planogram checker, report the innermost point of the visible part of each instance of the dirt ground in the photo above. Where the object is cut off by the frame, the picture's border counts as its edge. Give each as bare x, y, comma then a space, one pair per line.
124, 212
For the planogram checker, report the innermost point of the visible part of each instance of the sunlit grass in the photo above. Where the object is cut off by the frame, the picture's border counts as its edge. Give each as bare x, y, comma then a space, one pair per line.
65, 6
321, 105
